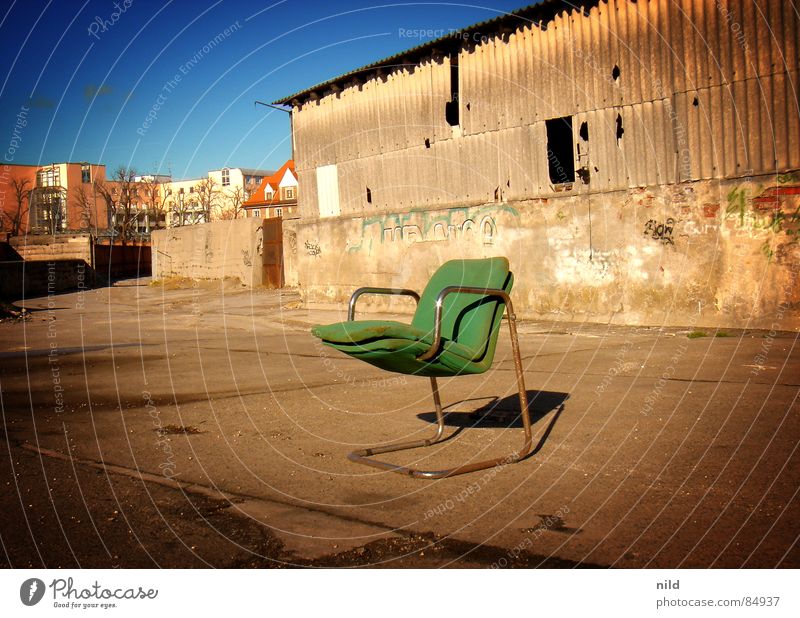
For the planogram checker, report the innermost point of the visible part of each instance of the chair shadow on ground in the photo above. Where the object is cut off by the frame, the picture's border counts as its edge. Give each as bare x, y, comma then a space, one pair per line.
488, 412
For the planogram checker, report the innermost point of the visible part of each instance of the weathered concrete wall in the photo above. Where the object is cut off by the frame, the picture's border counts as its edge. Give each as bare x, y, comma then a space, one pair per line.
712, 253
38, 278
60, 247
210, 251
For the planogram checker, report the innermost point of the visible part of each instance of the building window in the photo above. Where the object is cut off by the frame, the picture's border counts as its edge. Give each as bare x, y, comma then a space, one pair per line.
191, 189
288, 193
48, 177
278, 212
268, 195
560, 150
451, 112
257, 212
86, 173
226, 178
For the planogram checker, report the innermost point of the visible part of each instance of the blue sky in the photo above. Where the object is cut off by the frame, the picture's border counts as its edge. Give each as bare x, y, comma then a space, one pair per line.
96, 80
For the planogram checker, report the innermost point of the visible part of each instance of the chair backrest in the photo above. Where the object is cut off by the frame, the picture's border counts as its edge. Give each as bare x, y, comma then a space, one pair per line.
470, 320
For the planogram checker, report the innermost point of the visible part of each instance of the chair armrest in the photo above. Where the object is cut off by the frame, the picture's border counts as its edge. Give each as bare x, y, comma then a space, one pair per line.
437, 329
351, 312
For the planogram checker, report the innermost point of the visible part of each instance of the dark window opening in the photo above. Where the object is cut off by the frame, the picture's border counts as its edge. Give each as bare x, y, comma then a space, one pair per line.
86, 174
615, 73
560, 150
620, 130
369, 196
451, 107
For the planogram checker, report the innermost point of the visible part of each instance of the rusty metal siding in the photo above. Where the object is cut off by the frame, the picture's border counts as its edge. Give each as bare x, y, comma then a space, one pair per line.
705, 90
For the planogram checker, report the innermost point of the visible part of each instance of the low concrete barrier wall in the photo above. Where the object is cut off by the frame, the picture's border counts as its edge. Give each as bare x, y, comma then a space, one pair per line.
210, 251
54, 247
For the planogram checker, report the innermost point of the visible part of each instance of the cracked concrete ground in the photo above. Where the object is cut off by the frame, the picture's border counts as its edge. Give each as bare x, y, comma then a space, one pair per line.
202, 425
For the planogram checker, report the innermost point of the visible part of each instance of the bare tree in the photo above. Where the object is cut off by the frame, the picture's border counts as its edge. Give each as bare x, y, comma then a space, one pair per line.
207, 193
154, 194
234, 201
85, 203
21, 194
120, 195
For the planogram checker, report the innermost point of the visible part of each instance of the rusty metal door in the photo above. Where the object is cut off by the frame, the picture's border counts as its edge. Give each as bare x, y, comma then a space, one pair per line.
272, 253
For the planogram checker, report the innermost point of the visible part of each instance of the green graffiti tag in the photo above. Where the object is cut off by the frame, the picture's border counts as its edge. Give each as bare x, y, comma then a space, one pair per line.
416, 226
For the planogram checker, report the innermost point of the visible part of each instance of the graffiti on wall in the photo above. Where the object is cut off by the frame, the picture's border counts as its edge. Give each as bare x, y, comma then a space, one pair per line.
661, 232
774, 207
313, 249
469, 224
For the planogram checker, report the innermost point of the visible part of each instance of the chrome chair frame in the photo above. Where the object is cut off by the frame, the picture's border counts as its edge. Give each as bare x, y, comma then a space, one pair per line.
363, 456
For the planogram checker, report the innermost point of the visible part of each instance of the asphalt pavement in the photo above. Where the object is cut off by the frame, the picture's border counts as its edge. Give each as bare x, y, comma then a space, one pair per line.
185, 424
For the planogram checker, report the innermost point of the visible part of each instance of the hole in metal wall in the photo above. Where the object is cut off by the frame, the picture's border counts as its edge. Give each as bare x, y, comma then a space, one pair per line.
615, 72
427, 143
369, 196
451, 107
620, 130
560, 150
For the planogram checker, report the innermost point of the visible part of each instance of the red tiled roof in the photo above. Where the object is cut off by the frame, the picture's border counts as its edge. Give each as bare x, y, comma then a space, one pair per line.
257, 198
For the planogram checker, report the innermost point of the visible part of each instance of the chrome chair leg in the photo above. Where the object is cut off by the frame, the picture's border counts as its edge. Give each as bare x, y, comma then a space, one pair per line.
363, 456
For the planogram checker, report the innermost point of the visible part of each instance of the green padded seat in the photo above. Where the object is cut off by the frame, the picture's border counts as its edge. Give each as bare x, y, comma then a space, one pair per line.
470, 325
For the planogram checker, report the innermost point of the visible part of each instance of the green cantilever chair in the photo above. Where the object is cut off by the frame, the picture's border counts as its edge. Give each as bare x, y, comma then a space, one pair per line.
454, 332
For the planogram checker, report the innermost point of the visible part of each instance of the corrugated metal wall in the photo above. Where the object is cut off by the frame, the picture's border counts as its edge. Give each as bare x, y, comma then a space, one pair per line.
704, 89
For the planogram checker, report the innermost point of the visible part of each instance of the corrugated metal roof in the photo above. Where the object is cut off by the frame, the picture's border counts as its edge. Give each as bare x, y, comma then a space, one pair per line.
538, 12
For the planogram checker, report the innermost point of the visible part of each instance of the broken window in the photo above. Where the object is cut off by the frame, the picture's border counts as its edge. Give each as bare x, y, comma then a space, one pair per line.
560, 150
451, 107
